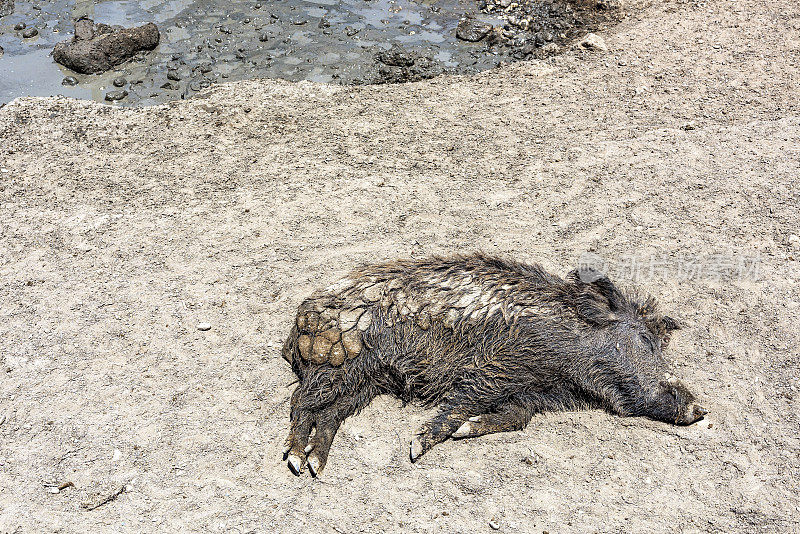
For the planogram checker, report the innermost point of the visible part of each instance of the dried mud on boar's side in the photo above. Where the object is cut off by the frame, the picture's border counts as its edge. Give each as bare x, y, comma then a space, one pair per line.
489, 341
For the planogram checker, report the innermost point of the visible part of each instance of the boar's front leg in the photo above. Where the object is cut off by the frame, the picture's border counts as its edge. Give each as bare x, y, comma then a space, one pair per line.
438, 429
508, 418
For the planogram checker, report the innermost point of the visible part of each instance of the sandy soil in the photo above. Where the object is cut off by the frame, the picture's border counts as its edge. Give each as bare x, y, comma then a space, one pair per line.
121, 230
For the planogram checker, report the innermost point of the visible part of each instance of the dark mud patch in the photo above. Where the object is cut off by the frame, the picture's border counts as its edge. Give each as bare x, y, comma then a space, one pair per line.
334, 41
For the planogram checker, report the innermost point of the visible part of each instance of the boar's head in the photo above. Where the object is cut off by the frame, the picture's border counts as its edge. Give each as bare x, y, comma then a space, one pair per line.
628, 336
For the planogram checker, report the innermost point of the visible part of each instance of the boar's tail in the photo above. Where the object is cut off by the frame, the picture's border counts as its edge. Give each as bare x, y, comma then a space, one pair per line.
290, 350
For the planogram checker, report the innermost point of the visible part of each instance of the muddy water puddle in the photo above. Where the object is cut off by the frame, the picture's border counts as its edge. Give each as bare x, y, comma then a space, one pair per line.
332, 41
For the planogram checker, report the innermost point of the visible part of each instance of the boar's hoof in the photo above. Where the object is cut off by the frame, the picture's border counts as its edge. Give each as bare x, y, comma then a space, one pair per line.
415, 449
295, 464
314, 466
463, 431
694, 413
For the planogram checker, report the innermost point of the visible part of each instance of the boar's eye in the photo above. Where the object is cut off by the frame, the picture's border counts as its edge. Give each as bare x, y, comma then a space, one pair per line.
648, 342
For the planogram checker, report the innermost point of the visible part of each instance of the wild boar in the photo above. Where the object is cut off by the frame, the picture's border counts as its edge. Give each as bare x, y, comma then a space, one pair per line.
489, 341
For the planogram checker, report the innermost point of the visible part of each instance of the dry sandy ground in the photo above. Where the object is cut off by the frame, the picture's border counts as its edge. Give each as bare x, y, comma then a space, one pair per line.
121, 230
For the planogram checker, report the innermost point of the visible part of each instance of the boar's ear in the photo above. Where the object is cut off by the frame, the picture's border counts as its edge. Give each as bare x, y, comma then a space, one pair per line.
668, 324
597, 298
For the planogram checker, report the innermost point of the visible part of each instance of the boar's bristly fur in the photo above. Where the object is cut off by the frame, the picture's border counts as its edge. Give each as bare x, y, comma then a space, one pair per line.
489, 341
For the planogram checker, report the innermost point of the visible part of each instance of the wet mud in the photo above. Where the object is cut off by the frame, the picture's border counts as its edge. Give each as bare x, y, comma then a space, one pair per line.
331, 41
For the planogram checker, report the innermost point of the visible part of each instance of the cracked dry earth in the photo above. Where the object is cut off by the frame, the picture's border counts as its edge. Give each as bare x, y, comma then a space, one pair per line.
123, 229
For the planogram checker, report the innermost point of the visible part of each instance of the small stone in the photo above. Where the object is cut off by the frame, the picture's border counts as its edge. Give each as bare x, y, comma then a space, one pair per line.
494, 524
112, 96
472, 30
226, 30
264, 37
19, 26
201, 326
30, 32
593, 41
173, 75
610, 4
53, 490
119, 81
70, 81
689, 126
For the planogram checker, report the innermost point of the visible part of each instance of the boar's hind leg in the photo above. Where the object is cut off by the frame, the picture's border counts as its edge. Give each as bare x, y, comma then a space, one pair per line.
327, 424
438, 429
509, 417
294, 451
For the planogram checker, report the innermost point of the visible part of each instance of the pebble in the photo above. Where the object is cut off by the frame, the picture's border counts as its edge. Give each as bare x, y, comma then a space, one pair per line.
472, 30
19, 26
111, 96
69, 80
264, 37
119, 82
204, 326
30, 32
592, 41
494, 524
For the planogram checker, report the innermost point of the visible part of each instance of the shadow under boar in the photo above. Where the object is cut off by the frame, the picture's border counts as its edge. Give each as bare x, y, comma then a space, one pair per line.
489, 341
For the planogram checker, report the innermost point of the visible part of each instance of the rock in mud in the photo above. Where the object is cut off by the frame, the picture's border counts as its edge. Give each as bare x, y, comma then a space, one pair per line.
98, 47
398, 65
111, 96
472, 30
6, 7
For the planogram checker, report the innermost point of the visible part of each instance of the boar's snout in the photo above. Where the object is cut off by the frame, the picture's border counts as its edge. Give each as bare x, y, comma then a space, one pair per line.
676, 404
694, 413
687, 410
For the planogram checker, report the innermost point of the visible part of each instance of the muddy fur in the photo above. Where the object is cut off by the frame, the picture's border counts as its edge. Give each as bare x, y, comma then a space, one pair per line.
489, 341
